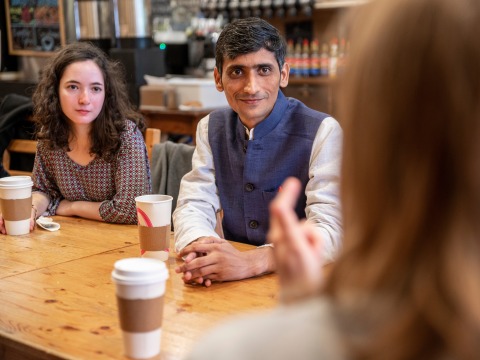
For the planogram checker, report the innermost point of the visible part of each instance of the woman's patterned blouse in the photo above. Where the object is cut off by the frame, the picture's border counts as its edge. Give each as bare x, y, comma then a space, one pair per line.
115, 184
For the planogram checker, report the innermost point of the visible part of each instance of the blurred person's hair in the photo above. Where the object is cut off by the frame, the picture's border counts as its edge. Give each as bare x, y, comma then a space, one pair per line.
407, 283
244, 36
52, 124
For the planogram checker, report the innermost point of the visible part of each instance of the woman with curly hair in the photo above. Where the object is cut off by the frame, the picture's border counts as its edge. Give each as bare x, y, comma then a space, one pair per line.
91, 157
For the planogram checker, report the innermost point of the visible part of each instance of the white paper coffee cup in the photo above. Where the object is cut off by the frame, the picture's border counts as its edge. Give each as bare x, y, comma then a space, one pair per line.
140, 288
154, 223
16, 203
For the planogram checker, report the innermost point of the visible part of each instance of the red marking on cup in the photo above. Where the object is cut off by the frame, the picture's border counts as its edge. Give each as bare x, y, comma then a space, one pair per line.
141, 213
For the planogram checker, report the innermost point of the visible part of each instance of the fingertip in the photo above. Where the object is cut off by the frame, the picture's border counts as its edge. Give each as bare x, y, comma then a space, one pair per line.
292, 181
199, 280
189, 257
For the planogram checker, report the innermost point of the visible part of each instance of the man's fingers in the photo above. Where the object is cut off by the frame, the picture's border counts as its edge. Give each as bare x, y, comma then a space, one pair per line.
209, 240
197, 247
190, 257
193, 281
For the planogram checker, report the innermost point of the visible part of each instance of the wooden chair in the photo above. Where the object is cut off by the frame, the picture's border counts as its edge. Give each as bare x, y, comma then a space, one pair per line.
152, 137
20, 146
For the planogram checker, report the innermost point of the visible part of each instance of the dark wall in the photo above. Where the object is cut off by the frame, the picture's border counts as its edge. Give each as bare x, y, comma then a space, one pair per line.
7, 62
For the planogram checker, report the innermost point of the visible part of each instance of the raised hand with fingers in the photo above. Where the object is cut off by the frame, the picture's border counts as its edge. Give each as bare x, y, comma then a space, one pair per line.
297, 246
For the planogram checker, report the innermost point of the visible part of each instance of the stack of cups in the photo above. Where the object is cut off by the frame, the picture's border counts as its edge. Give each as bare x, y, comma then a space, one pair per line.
154, 217
16, 203
140, 288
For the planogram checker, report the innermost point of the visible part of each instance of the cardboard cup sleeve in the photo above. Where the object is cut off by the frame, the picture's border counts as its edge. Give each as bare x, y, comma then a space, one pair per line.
140, 315
154, 238
16, 209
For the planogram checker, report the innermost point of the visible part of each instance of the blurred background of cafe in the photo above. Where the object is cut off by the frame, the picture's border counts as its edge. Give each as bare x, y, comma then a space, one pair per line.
173, 43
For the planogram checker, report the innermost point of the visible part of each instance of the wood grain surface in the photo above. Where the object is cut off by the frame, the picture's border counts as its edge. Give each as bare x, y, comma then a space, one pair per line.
57, 300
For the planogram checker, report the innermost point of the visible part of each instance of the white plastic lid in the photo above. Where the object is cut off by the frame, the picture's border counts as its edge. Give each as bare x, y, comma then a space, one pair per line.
153, 198
139, 271
15, 182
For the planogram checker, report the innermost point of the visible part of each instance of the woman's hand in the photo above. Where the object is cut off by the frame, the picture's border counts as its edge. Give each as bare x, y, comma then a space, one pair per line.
297, 246
2, 225
33, 217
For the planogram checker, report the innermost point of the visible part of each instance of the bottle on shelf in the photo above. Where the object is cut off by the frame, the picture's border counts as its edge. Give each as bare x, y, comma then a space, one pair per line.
314, 58
290, 56
324, 60
297, 59
255, 8
305, 62
245, 10
279, 9
333, 60
267, 11
291, 9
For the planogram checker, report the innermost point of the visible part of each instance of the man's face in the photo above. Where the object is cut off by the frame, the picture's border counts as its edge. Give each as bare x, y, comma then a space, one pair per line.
251, 84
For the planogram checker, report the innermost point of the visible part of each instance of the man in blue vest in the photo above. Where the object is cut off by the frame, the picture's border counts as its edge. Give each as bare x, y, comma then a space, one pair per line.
244, 153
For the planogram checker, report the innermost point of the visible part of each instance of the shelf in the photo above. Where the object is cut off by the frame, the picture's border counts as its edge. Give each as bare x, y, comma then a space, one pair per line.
332, 4
321, 80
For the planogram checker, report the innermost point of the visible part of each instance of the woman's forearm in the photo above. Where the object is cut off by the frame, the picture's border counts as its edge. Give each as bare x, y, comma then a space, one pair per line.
84, 209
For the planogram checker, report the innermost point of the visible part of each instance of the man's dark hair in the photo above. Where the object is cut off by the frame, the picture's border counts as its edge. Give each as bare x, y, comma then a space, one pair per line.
244, 36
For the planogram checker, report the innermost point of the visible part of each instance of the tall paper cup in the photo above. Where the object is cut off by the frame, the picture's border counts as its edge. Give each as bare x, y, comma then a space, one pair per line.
140, 289
16, 203
154, 216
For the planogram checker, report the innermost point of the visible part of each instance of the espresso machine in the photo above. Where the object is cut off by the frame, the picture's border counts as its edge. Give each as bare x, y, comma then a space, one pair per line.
122, 28
93, 22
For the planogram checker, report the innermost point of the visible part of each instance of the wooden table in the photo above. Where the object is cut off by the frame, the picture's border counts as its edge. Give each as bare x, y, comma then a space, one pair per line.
57, 300
175, 121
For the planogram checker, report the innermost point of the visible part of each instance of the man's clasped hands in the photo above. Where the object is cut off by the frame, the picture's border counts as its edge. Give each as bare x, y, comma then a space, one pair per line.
297, 255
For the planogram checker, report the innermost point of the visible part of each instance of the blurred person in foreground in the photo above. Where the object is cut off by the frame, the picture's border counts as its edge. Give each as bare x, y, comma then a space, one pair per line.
91, 158
245, 152
407, 282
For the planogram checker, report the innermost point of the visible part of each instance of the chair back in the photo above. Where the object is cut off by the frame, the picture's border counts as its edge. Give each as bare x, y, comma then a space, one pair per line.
152, 137
170, 161
20, 146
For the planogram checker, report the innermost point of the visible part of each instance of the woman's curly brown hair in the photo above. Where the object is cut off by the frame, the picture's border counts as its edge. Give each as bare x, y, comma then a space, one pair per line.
52, 124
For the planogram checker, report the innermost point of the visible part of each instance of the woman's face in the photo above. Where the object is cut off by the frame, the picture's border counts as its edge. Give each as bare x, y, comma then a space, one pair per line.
82, 92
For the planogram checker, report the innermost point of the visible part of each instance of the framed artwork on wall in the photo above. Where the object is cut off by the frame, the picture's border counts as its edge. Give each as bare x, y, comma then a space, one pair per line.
34, 27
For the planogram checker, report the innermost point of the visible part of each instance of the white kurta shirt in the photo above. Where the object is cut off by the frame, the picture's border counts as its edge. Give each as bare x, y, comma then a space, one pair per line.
198, 200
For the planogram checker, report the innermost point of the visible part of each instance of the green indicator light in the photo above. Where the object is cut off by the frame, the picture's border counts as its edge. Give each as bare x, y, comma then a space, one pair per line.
162, 46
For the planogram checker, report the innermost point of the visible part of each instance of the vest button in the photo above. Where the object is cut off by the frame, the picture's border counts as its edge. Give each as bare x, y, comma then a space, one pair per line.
249, 187
253, 224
